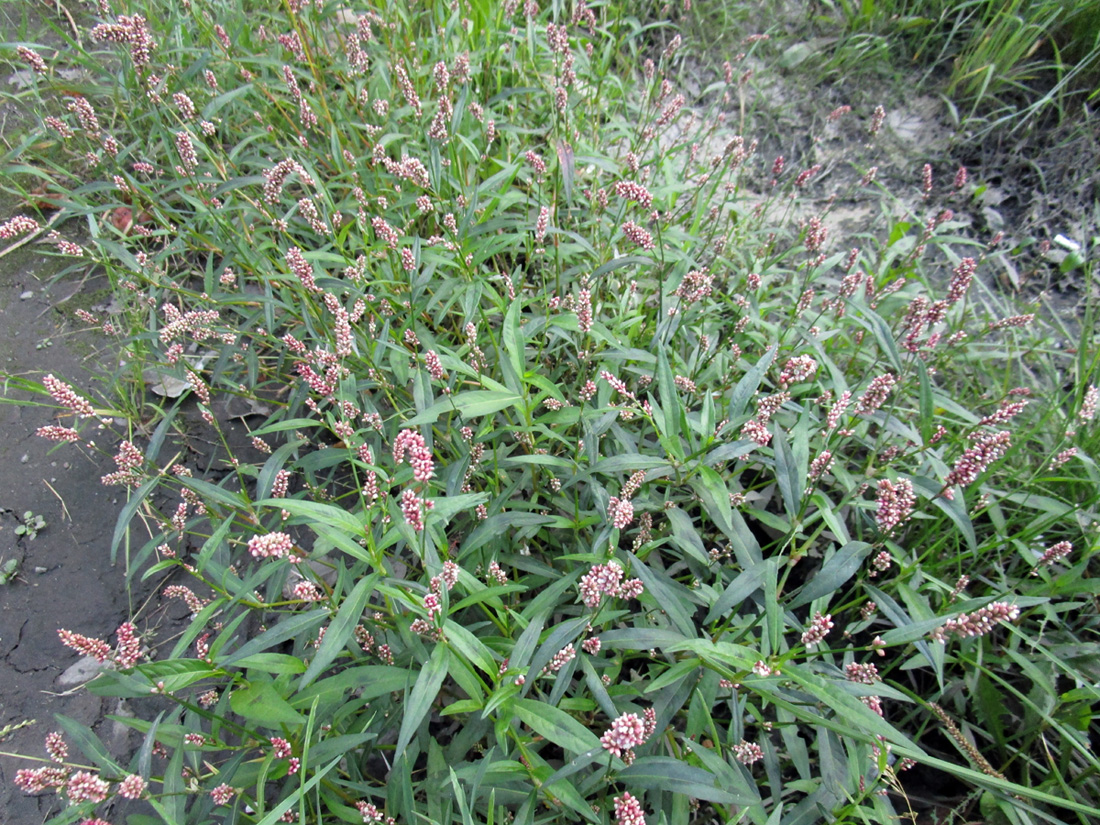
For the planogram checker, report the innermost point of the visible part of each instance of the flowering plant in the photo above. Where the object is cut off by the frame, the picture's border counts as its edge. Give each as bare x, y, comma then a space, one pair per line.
590, 484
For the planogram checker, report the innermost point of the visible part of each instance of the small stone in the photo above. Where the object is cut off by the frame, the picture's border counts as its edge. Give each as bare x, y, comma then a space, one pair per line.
27, 295
24, 459
81, 671
40, 570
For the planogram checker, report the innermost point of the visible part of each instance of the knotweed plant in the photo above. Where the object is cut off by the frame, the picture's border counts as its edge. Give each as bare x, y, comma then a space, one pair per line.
585, 481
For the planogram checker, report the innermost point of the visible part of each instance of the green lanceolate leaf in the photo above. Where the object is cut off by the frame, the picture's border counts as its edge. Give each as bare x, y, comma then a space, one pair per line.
341, 629
664, 773
556, 725
421, 698
262, 703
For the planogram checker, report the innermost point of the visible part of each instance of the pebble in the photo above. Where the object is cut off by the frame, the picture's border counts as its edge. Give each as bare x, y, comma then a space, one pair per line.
27, 295
81, 671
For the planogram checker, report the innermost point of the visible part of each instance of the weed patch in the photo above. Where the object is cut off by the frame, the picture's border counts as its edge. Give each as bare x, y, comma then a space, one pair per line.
524, 449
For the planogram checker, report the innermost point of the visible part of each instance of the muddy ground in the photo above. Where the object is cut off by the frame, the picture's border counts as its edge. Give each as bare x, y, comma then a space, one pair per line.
65, 577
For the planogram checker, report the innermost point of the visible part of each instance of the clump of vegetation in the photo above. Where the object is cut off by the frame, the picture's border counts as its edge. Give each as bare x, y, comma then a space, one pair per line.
32, 525
589, 480
1013, 63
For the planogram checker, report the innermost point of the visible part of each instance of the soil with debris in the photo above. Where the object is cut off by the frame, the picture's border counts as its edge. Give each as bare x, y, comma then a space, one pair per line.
63, 574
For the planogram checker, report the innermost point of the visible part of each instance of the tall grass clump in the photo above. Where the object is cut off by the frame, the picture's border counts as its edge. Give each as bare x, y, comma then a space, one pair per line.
585, 480
1006, 62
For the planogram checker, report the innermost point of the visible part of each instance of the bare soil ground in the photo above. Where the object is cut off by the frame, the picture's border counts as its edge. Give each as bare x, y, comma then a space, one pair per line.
65, 576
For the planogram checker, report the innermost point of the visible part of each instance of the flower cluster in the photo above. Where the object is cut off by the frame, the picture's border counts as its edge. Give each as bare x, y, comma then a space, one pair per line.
631, 191
895, 504
280, 747
85, 644
19, 225
132, 787
697, 285
307, 591
974, 461
84, 786
798, 368
56, 747
1089, 404
275, 178
621, 512
977, 623
66, 396
561, 659
820, 465
607, 579
747, 752
128, 650
53, 432
628, 732
223, 794
36, 780
819, 628
875, 394
638, 236
178, 591
413, 507
420, 457
372, 815
134, 32
628, 810
866, 674
1054, 553
271, 545
32, 59
301, 268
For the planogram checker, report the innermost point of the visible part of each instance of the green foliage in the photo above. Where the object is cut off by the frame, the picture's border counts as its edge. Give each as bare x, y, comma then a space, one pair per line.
1009, 61
32, 525
581, 473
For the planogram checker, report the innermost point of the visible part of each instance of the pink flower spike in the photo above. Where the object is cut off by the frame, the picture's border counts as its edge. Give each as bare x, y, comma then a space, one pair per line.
978, 623
85, 645
895, 504
628, 810
626, 733
271, 545
67, 397
132, 787
621, 512
748, 752
818, 630
86, 787
1056, 552
19, 225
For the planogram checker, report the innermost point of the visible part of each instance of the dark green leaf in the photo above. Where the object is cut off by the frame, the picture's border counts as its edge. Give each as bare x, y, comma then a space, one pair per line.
291, 628
556, 725
260, 702
838, 568
421, 698
340, 630
87, 743
664, 773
